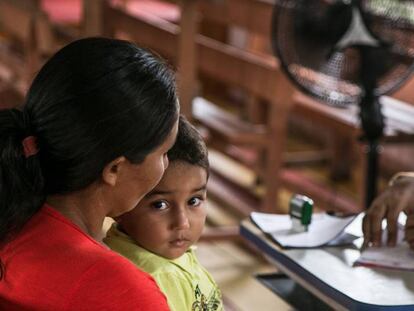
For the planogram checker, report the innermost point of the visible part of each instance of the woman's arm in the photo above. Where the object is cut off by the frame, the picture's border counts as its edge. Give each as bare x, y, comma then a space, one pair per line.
115, 284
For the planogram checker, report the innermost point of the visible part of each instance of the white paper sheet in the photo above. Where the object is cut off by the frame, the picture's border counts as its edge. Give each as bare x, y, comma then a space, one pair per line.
322, 230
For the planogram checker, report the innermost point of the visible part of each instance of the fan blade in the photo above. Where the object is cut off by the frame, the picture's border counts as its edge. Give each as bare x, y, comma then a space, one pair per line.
392, 22
304, 35
357, 33
325, 45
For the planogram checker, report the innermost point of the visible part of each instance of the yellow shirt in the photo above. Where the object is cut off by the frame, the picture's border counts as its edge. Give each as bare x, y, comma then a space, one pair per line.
187, 285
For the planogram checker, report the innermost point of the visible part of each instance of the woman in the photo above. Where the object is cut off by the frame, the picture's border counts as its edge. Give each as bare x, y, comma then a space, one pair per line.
90, 142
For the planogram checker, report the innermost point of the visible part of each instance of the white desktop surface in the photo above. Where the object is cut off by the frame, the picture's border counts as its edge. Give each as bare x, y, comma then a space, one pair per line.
329, 273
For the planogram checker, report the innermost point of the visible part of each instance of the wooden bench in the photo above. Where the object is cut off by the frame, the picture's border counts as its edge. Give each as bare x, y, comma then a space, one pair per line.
260, 76
344, 126
18, 56
32, 30
272, 97
26, 41
254, 17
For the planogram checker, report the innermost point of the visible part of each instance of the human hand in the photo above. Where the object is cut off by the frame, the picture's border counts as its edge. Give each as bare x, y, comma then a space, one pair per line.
388, 205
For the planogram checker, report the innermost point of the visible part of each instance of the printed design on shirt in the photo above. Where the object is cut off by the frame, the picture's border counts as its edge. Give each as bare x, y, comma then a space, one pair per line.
206, 303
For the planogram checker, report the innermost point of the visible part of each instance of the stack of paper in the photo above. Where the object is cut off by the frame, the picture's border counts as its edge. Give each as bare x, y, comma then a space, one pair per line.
400, 257
323, 230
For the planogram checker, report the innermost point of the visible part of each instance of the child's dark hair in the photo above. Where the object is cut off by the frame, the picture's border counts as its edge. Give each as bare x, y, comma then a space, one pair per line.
93, 101
189, 146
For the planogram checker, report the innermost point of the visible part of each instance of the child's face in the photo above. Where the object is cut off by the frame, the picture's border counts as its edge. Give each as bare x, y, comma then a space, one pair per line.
171, 217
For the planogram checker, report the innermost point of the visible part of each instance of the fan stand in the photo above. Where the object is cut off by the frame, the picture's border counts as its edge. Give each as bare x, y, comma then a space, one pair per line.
373, 64
372, 120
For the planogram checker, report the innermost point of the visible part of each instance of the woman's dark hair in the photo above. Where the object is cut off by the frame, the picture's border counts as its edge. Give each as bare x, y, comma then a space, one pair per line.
189, 146
93, 101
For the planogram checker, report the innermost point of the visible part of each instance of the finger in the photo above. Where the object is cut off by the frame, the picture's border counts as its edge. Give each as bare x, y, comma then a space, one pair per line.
376, 230
373, 219
376, 225
366, 228
396, 200
392, 226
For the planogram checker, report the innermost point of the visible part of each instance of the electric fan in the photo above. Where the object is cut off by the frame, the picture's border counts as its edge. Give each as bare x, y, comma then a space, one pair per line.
347, 52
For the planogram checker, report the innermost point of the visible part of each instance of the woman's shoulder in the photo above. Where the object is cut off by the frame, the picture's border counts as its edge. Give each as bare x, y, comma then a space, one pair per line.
48, 235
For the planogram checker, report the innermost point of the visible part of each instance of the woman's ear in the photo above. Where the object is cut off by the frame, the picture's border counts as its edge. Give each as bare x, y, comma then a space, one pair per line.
112, 171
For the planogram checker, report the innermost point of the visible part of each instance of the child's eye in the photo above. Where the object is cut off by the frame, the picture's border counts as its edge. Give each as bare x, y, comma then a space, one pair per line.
160, 205
195, 201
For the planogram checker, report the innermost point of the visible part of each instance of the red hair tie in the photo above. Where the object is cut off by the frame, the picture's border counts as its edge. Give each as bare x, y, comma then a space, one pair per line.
30, 146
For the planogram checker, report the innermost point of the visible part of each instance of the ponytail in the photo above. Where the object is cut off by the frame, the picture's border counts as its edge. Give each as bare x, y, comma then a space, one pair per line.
21, 181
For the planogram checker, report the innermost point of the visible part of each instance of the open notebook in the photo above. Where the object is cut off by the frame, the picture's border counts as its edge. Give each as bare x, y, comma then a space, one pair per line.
323, 230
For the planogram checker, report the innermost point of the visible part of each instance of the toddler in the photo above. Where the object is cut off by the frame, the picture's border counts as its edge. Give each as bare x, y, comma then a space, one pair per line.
159, 234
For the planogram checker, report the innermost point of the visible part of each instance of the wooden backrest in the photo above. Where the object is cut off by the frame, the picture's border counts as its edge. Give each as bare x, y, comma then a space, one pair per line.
258, 75
248, 22
28, 37
252, 15
17, 18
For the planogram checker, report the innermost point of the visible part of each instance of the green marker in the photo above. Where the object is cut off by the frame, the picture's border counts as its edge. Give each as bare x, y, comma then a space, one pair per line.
300, 210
